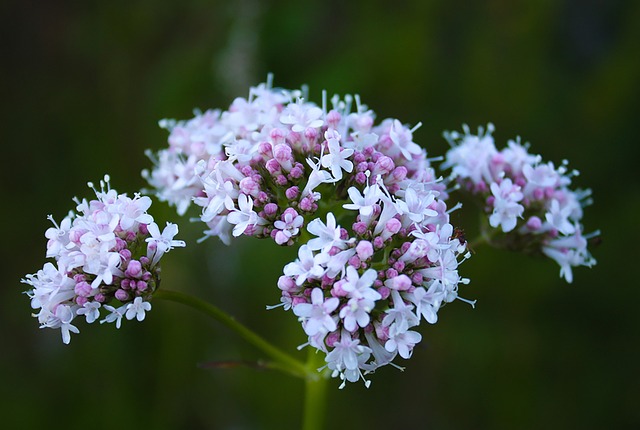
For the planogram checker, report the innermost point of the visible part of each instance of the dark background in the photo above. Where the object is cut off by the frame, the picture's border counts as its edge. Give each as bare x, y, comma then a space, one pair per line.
83, 86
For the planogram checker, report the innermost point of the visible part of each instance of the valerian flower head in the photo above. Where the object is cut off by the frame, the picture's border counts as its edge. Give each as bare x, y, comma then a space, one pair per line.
108, 252
526, 199
377, 252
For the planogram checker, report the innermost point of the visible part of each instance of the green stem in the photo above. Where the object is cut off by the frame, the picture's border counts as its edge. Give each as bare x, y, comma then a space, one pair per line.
315, 392
282, 360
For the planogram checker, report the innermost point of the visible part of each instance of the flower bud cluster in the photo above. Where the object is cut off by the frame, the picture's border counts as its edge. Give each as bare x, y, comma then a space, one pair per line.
107, 254
377, 253
527, 199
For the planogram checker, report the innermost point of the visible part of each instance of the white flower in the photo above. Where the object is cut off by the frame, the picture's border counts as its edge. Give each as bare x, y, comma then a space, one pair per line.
328, 234
558, 217
415, 207
159, 244
91, 310
400, 314
402, 341
346, 358
244, 216
302, 116
316, 177
137, 309
62, 319
359, 287
427, 301
402, 138
307, 265
115, 315
288, 227
364, 203
505, 205
132, 210
337, 158
316, 316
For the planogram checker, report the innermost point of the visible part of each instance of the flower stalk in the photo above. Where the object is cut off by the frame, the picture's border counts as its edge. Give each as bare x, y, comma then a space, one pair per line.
281, 360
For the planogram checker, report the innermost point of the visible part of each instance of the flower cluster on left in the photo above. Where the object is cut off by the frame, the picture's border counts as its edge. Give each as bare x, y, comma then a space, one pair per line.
106, 258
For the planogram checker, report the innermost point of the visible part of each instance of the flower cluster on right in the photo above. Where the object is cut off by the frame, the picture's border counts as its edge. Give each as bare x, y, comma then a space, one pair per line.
527, 199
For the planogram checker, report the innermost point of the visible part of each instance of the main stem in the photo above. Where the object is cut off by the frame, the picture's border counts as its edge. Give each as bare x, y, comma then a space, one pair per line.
315, 393
281, 360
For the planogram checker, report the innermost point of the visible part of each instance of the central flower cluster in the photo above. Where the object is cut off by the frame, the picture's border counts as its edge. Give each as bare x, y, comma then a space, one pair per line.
377, 252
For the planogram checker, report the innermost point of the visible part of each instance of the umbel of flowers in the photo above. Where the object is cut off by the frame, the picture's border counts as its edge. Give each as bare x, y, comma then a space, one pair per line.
527, 199
377, 253
106, 261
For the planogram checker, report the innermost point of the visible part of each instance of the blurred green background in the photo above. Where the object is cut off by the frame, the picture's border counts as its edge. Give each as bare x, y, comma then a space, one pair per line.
83, 86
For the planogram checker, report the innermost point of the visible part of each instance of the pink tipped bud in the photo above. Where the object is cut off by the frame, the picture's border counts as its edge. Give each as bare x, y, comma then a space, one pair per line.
378, 242
122, 295
100, 298
306, 204
125, 254
141, 286
82, 289
292, 192
333, 119
360, 228
399, 174
311, 134
417, 278
355, 262
400, 283
399, 266
332, 338
297, 172
286, 283
361, 178
249, 187
384, 292
391, 273
272, 166
282, 153
277, 135
281, 180
534, 223
134, 269
265, 150
270, 209
383, 166
81, 300
364, 249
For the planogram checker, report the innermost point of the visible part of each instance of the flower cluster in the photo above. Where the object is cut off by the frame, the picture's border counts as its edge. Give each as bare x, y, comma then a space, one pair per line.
106, 257
527, 199
377, 252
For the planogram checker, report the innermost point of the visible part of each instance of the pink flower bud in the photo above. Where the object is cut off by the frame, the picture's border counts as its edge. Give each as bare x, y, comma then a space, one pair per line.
249, 187
134, 269
383, 166
286, 283
292, 192
534, 223
122, 295
82, 289
141, 286
333, 119
360, 228
399, 174
332, 338
282, 153
272, 166
270, 209
364, 249
265, 150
